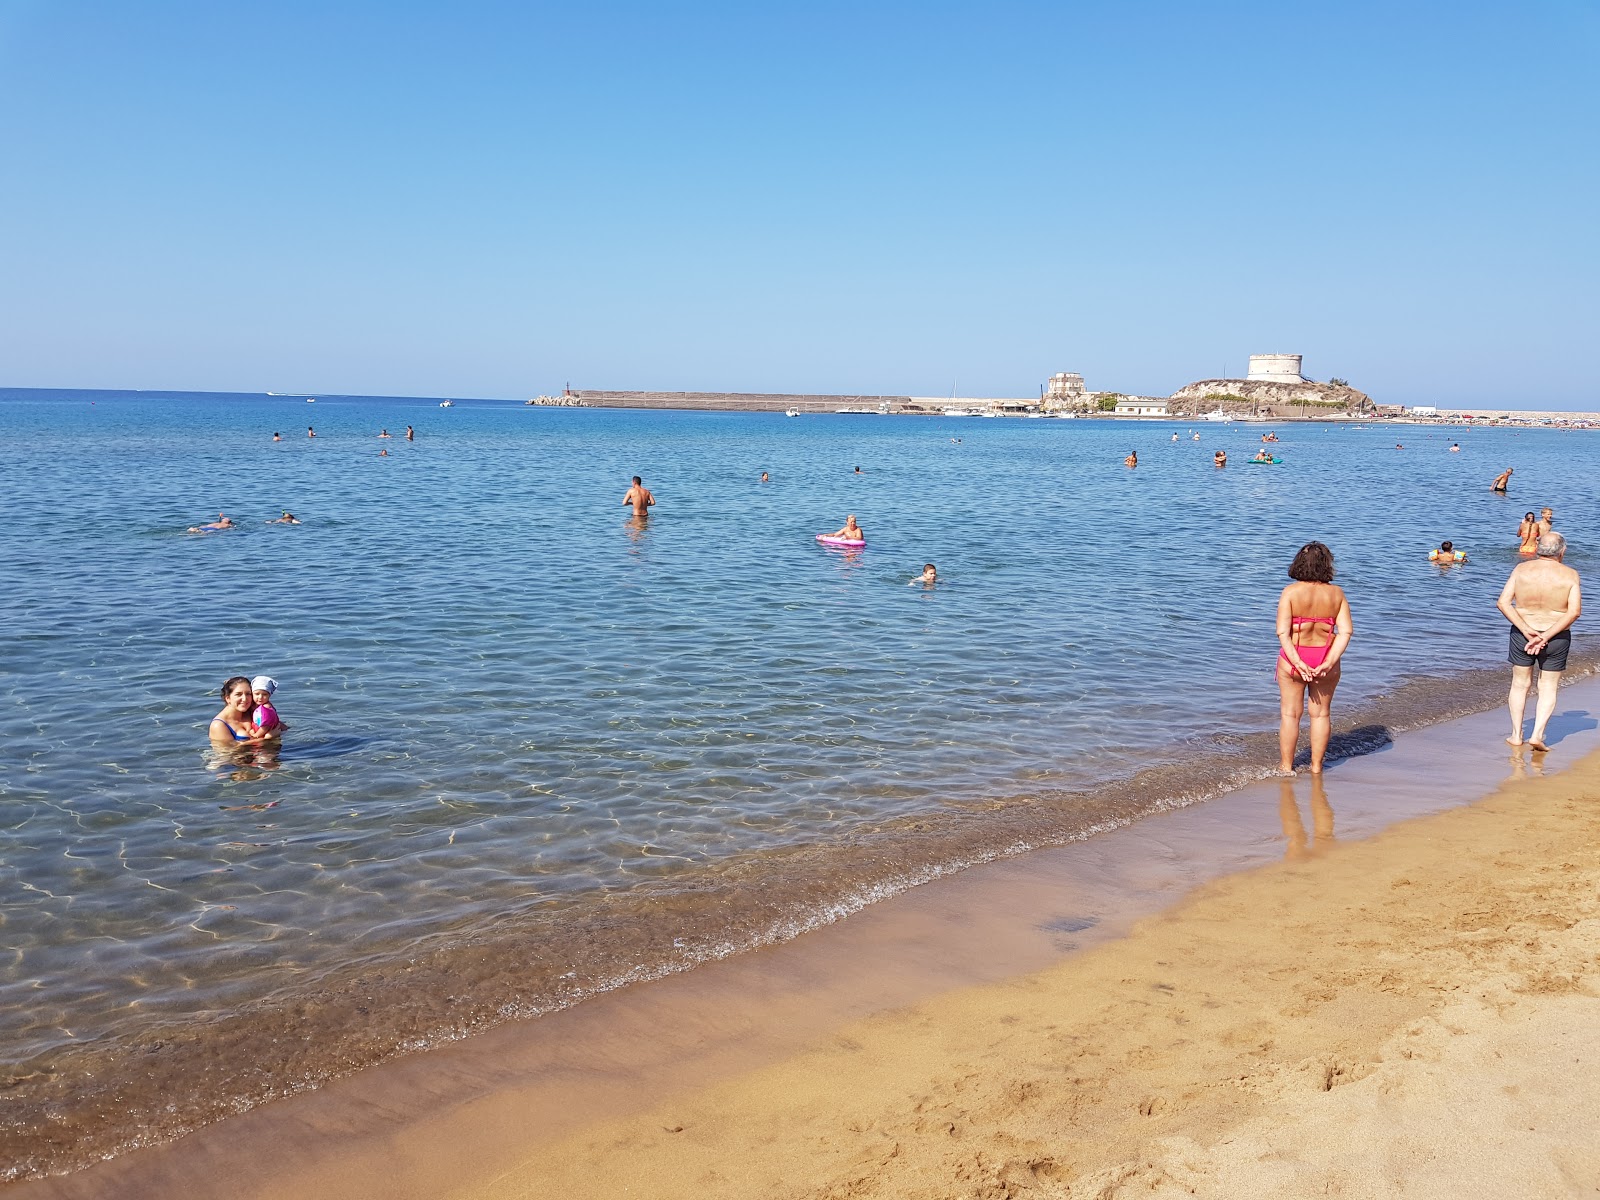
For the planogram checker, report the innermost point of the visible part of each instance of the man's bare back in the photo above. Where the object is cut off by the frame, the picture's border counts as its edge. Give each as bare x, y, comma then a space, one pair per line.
1542, 591
1541, 599
639, 496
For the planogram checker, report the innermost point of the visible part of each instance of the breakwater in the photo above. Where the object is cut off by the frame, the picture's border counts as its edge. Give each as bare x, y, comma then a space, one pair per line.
738, 401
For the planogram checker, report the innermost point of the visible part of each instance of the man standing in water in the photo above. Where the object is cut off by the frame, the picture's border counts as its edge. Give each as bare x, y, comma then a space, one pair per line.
1541, 600
1500, 481
639, 496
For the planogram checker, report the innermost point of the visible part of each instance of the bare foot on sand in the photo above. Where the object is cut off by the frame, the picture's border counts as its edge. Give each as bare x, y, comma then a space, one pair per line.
1538, 745
1282, 773
1513, 741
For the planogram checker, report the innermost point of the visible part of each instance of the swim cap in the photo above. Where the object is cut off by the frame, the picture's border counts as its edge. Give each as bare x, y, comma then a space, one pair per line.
264, 683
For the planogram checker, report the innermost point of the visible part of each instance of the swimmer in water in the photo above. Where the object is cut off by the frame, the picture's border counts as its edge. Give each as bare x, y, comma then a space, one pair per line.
1447, 555
851, 531
1220, 458
385, 433
639, 496
1193, 436
234, 723
858, 470
384, 453
1547, 521
1174, 437
930, 574
288, 518
764, 478
1500, 481
310, 432
411, 434
1264, 455
1528, 536
1455, 447
277, 437
1132, 460
222, 522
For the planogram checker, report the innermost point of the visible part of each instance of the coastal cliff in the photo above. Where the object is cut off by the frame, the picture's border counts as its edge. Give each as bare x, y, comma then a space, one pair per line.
1246, 395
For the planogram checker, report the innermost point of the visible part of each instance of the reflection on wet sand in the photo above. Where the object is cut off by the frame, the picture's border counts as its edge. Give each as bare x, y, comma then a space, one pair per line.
1523, 766
1300, 848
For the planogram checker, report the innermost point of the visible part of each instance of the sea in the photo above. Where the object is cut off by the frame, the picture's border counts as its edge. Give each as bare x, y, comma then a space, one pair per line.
541, 749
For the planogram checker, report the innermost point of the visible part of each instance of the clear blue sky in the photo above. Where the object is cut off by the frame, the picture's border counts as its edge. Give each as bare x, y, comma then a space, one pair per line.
492, 199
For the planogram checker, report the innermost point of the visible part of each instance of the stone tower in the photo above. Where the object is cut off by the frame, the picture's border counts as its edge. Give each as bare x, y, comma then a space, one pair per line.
1275, 368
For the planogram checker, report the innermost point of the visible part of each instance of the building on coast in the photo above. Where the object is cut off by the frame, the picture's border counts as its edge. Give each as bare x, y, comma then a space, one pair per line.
1140, 406
1275, 368
1065, 391
1274, 386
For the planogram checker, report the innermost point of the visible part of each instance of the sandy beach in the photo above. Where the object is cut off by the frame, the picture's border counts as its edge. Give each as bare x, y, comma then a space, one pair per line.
1408, 1010
1416, 1014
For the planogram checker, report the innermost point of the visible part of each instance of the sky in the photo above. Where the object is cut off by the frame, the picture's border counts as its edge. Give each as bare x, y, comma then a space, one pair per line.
496, 199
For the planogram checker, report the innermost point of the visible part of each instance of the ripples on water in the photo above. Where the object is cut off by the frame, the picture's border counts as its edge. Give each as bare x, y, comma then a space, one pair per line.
508, 698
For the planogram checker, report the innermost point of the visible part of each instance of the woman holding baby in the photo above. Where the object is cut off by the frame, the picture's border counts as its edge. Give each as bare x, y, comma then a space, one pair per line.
247, 717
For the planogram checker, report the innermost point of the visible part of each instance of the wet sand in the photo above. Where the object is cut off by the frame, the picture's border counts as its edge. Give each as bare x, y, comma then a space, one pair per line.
1365, 1015
1414, 1015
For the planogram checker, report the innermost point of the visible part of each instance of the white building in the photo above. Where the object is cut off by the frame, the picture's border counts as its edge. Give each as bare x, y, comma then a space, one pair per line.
1275, 368
1141, 406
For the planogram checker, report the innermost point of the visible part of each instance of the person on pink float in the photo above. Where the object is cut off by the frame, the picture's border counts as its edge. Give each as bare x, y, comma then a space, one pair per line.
1313, 631
850, 533
265, 717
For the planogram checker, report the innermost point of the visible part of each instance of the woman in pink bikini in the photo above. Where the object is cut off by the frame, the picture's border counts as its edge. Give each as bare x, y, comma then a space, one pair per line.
1313, 631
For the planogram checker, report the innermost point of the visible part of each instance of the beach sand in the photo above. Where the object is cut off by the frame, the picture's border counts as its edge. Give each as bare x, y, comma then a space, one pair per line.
1417, 1014
1168, 1009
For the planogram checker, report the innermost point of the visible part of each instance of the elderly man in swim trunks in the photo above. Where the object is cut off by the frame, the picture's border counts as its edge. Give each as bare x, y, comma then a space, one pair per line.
1541, 600
1500, 481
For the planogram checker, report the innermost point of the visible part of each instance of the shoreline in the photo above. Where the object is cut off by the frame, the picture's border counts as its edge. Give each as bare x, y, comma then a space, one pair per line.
283, 1044
1412, 1014
595, 1059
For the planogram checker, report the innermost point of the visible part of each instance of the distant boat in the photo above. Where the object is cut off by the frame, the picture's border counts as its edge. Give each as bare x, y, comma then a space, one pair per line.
447, 404
1218, 415
1065, 416
791, 412
959, 412
881, 411
311, 399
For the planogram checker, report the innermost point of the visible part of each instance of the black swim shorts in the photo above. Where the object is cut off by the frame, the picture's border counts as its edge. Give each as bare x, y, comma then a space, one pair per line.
1552, 658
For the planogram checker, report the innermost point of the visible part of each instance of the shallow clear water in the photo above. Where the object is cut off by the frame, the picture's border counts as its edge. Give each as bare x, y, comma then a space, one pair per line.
507, 697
